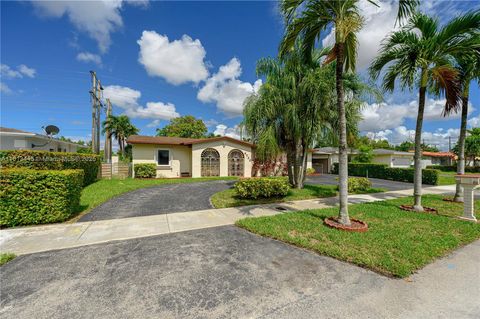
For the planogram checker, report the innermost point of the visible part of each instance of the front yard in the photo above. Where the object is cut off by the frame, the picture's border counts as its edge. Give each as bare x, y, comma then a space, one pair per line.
228, 198
397, 243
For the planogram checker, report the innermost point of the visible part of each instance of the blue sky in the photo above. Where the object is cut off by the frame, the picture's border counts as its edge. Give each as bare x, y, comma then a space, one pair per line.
158, 60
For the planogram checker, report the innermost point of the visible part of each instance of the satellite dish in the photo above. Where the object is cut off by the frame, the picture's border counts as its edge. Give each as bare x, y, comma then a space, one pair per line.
52, 130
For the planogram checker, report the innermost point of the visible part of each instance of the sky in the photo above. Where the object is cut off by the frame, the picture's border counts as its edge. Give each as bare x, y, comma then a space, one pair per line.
160, 60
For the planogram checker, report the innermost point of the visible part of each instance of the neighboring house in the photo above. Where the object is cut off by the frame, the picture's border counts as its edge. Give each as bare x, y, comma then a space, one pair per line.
181, 157
13, 139
323, 158
438, 158
392, 158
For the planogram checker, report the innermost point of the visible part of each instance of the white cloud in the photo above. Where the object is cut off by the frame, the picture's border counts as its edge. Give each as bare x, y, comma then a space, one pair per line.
438, 138
178, 61
223, 130
5, 89
226, 90
89, 57
154, 123
474, 121
21, 71
127, 99
386, 115
97, 18
211, 122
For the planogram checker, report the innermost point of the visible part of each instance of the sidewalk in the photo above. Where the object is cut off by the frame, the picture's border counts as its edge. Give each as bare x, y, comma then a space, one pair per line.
25, 240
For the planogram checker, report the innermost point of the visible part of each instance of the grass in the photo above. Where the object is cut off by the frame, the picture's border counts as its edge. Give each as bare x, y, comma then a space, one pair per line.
397, 243
105, 189
6, 257
446, 178
228, 198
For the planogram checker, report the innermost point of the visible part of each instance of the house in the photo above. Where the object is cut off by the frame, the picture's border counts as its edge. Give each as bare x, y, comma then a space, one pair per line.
13, 139
438, 158
392, 158
182, 157
324, 158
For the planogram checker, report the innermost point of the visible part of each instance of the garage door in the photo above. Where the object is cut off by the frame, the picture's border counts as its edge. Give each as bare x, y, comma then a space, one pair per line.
320, 165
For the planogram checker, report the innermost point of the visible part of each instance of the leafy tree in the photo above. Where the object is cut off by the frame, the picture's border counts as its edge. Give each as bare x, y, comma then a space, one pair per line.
472, 146
468, 65
307, 20
120, 128
420, 55
184, 126
364, 155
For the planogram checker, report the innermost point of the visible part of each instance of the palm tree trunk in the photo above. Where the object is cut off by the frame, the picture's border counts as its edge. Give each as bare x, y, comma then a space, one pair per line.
417, 182
290, 166
461, 145
343, 217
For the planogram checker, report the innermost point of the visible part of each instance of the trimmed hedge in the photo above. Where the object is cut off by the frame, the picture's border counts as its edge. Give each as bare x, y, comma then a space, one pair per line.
358, 184
264, 187
145, 170
89, 163
382, 171
453, 168
30, 197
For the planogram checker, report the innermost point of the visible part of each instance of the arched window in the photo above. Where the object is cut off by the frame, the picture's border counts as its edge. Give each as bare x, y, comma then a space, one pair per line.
236, 163
210, 162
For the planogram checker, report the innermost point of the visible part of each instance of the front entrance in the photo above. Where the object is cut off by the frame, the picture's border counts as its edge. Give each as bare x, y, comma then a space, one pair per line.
320, 165
210, 162
236, 163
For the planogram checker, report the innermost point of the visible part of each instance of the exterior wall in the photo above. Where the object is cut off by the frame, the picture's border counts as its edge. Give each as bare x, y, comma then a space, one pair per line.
18, 142
223, 148
382, 159
309, 160
401, 161
180, 159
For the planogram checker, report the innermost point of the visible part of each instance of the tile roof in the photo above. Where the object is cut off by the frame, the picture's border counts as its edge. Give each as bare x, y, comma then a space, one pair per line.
13, 130
438, 154
168, 140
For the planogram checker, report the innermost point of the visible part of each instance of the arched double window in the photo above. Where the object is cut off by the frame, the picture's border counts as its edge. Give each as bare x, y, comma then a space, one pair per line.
236, 163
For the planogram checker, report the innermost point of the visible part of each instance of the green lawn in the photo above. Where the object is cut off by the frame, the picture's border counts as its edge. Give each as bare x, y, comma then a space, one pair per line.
227, 197
6, 257
447, 178
104, 189
397, 243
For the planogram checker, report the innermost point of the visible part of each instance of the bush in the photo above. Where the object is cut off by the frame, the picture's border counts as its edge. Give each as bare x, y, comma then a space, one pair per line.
358, 184
265, 187
145, 170
90, 164
310, 171
38, 196
453, 168
382, 171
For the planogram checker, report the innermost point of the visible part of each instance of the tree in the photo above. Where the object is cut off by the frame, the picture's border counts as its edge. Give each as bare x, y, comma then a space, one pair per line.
468, 65
306, 20
121, 128
184, 126
364, 155
472, 146
420, 55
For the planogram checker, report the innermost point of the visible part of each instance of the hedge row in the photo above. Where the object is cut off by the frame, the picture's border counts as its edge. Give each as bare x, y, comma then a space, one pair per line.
429, 176
38, 196
264, 187
90, 164
453, 168
145, 170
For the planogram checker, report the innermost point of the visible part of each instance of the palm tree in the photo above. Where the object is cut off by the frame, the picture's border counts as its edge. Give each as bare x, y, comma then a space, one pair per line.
421, 54
468, 66
121, 128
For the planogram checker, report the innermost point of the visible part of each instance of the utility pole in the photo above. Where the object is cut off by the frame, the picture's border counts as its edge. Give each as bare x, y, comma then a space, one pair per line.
108, 137
96, 96
449, 143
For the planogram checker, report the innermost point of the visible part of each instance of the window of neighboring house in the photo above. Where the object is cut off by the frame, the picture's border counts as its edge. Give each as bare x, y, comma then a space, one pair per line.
163, 157
51, 150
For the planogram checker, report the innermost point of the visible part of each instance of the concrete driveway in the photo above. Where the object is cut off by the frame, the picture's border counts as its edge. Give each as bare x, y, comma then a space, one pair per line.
378, 183
156, 200
226, 272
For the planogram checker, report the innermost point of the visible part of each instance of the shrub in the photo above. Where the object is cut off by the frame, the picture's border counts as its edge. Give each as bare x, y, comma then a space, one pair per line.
90, 164
145, 170
310, 171
264, 187
358, 184
429, 176
453, 168
38, 196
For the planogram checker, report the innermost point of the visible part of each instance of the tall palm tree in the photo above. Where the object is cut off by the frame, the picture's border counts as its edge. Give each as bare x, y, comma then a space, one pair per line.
421, 55
121, 128
468, 66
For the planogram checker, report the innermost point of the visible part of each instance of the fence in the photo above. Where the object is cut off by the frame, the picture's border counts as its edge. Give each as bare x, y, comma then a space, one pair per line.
117, 169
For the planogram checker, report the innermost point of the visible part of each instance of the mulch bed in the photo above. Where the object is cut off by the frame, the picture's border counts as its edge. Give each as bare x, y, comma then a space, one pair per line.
409, 208
450, 200
355, 225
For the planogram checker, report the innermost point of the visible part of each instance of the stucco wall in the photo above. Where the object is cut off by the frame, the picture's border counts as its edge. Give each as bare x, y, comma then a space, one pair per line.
180, 158
382, 159
13, 142
309, 160
223, 148
401, 161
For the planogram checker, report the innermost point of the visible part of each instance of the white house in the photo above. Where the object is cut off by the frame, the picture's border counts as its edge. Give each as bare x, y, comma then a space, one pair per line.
392, 158
13, 139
